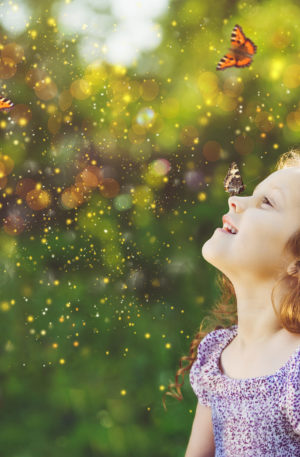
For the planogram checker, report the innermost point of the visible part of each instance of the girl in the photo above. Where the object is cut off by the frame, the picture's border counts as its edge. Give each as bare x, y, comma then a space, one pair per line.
246, 375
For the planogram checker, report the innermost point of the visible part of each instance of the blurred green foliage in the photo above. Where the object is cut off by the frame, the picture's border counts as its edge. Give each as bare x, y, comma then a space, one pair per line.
111, 181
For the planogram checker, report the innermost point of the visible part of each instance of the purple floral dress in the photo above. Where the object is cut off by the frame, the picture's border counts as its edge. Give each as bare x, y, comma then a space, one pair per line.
252, 417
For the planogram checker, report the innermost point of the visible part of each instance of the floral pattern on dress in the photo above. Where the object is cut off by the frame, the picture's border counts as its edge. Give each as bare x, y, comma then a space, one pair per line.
252, 417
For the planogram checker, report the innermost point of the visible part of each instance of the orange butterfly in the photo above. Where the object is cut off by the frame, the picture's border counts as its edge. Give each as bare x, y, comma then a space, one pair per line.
241, 52
5, 103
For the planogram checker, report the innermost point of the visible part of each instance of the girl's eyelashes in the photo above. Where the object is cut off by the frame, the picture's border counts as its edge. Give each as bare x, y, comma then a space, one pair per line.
265, 200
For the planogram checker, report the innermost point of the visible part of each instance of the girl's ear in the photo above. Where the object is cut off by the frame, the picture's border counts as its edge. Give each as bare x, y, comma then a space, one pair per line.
294, 268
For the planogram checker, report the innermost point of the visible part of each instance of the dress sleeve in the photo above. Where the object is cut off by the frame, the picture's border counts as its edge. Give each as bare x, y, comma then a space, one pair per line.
293, 396
196, 377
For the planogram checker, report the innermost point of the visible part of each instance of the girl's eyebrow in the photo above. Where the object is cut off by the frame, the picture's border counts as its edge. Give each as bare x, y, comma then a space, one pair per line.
274, 187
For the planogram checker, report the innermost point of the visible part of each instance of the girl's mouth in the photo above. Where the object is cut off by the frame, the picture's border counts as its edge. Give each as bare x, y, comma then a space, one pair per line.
225, 231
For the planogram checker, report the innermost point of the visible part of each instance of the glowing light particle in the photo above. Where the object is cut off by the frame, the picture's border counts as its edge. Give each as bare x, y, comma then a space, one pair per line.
145, 116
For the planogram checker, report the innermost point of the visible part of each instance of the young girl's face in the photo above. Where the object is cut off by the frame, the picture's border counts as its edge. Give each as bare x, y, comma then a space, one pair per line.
263, 230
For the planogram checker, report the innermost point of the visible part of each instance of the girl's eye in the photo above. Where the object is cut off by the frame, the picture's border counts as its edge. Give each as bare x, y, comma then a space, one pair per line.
265, 200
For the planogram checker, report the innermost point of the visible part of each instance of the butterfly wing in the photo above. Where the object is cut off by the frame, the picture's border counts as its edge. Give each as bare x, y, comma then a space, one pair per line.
227, 61
5, 103
241, 52
237, 36
243, 61
233, 182
250, 47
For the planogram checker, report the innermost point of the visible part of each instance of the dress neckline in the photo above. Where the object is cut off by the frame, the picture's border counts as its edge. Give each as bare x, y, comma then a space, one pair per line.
231, 332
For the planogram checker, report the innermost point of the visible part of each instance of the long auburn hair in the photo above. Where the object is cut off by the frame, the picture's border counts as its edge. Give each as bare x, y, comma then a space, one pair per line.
224, 312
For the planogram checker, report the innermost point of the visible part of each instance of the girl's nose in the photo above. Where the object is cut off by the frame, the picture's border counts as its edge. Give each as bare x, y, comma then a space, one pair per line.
231, 202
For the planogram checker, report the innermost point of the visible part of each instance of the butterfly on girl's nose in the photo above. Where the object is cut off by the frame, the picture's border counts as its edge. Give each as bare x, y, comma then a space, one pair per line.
233, 182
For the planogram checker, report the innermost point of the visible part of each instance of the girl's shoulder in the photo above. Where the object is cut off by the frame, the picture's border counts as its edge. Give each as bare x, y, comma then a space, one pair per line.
292, 392
294, 366
205, 361
212, 341
218, 335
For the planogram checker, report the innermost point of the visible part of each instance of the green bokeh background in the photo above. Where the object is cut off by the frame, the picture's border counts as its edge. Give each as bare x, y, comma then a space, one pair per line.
99, 302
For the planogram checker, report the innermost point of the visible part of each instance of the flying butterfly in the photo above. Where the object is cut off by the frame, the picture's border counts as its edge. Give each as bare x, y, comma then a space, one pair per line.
233, 182
5, 103
241, 52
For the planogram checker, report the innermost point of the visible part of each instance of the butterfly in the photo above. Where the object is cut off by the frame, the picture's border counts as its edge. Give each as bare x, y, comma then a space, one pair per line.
233, 182
5, 103
241, 52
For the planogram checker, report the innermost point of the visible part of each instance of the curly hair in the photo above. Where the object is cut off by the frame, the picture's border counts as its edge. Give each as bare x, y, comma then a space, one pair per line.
224, 312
